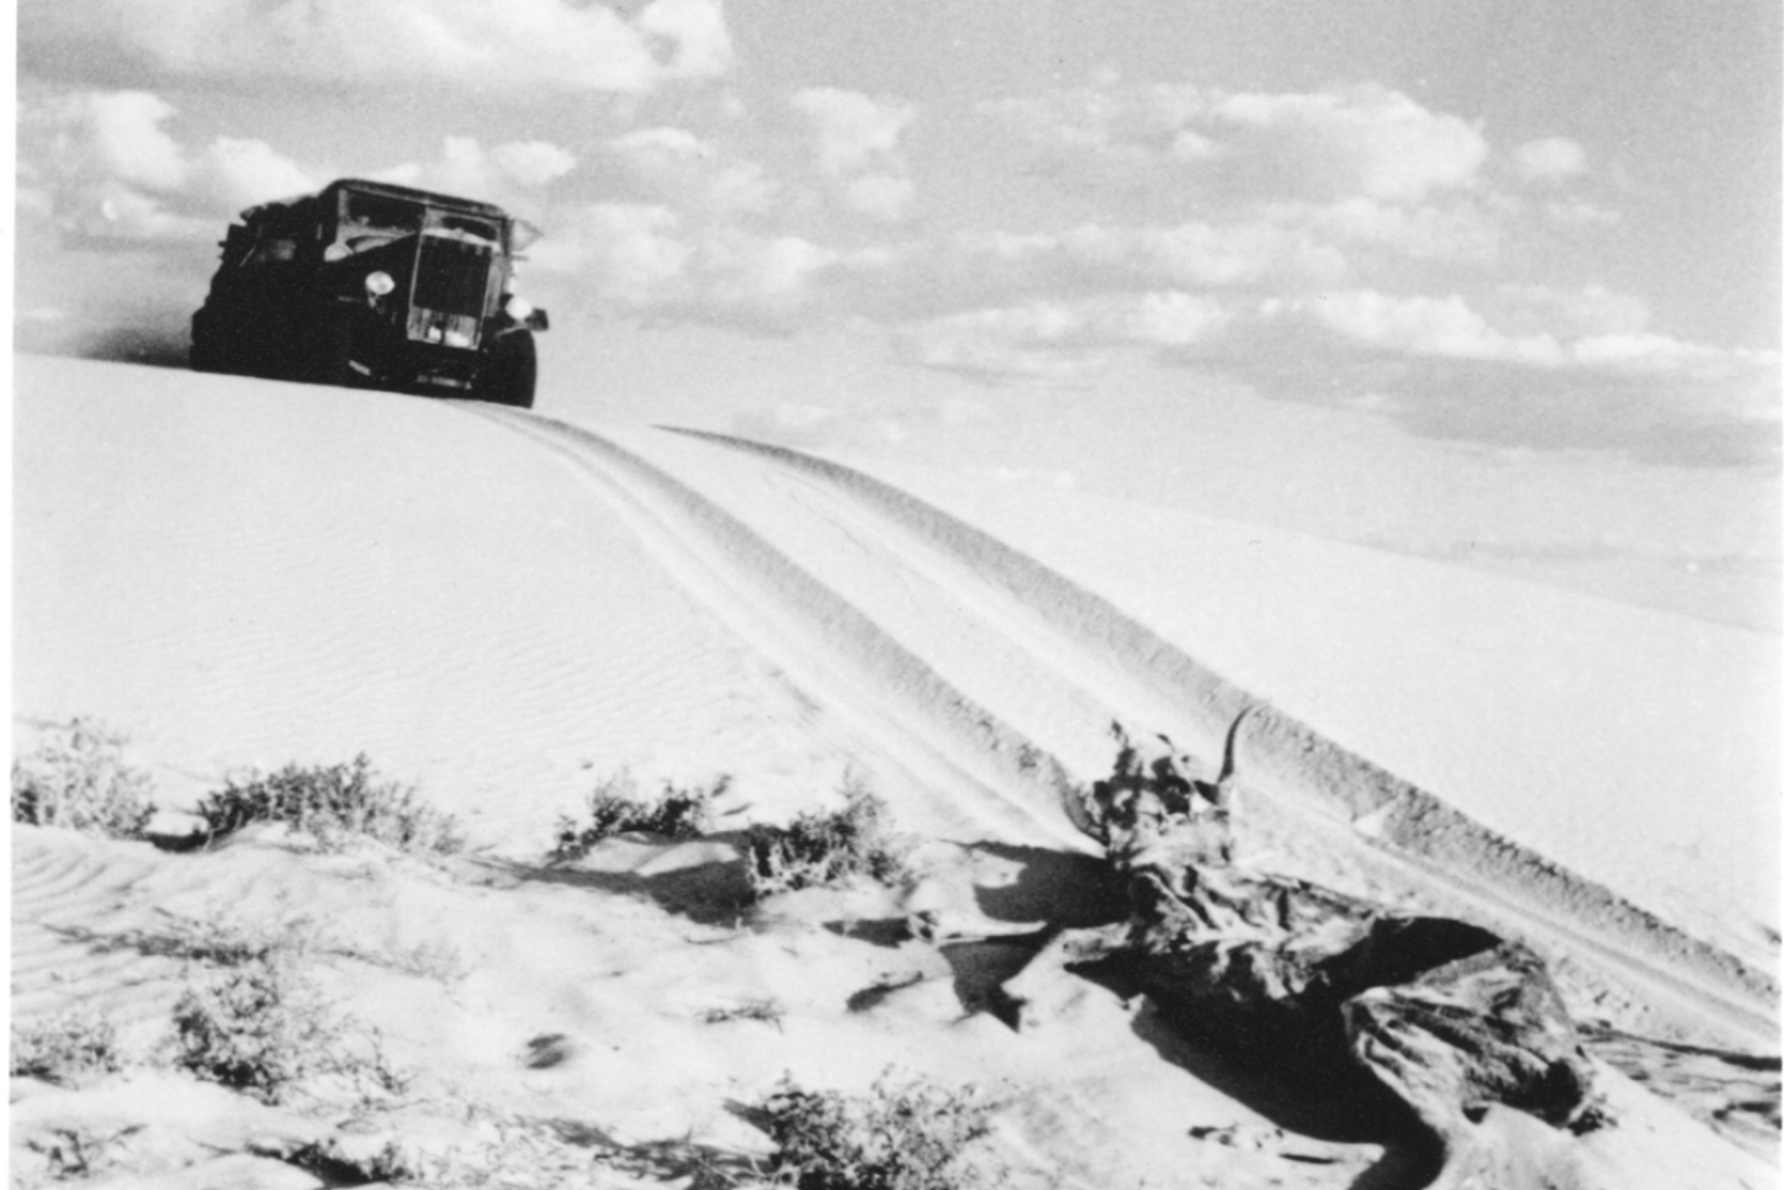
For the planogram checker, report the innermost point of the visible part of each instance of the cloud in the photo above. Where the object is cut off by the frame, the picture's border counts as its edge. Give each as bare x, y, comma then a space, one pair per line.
1060, 341
235, 174
1554, 159
975, 270
1557, 377
633, 252
1357, 142
1580, 213
1324, 146
112, 173
856, 146
1461, 231
1568, 312
1443, 370
122, 137
514, 175
883, 196
517, 46
1418, 326
853, 132
672, 165
648, 260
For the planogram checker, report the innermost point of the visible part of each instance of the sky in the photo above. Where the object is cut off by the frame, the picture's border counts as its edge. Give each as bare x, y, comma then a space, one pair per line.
1490, 280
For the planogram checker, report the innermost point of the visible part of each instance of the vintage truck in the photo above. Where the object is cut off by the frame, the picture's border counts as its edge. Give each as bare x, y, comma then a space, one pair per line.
376, 285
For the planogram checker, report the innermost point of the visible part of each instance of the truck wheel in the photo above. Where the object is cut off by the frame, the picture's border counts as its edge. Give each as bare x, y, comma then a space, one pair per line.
511, 372
202, 355
332, 350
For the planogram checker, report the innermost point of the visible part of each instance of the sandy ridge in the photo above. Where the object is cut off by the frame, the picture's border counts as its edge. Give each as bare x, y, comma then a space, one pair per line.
1299, 764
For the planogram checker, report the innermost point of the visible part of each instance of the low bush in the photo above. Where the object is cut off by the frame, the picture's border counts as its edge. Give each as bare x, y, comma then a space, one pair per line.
617, 807
67, 1049
225, 940
73, 1153
333, 803
767, 1011
78, 778
909, 1137
257, 1029
823, 849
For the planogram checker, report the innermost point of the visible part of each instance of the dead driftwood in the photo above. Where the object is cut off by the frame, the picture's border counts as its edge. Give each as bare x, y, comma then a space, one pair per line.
1450, 1017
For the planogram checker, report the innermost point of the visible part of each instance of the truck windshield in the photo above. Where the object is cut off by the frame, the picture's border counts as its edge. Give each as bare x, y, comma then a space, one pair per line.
374, 214
464, 226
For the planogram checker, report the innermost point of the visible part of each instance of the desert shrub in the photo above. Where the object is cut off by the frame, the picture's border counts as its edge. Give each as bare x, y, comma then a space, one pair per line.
331, 1160
67, 1049
257, 1029
768, 1011
825, 848
224, 940
73, 1153
616, 807
333, 803
78, 778
908, 1137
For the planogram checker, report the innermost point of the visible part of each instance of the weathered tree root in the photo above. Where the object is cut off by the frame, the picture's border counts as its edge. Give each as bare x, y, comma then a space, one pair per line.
1450, 1017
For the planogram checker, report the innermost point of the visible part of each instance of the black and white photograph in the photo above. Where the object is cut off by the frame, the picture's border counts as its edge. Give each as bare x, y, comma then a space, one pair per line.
904, 595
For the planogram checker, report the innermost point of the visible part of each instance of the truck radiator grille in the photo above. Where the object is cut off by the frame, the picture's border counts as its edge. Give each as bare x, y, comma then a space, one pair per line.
452, 276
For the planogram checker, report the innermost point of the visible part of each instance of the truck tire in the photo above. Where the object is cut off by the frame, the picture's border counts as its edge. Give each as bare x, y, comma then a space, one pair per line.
332, 350
511, 371
202, 354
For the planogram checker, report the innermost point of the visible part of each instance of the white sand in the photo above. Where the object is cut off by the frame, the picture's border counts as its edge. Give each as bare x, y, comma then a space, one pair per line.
503, 610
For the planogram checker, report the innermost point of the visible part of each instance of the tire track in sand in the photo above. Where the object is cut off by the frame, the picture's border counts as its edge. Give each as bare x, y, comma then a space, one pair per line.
962, 771
1315, 786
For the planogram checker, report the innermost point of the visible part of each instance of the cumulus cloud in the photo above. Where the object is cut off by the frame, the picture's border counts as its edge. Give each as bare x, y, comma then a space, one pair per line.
1442, 369
1060, 341
514, 175
518, 45
1553, 159
856, 146
648, 260
672, 165
1419, 326
1557, 373
121, 136
988, 269
110, 171
234, 174
1575, 312
109, 167
633, 250
1461, 231
1362, 141
1324, 146
1580, 214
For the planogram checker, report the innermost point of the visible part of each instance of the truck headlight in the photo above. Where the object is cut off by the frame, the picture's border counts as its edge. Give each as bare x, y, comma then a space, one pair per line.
517, 307
379, 283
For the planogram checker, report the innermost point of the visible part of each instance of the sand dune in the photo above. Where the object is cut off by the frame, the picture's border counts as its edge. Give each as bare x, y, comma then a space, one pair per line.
503, 609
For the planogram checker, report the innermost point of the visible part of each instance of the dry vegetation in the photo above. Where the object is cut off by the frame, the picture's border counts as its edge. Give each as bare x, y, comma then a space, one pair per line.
333, 803
909, 1136
78, 778
69, 1049
820, 849
616, 807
